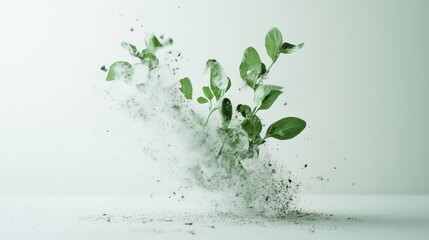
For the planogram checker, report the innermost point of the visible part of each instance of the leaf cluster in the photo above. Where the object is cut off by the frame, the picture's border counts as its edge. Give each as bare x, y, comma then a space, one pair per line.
213, 93
123, 69
253, 72
243, 136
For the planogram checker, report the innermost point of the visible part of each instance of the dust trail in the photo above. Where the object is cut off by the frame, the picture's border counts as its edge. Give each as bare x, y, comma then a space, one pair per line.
260, 187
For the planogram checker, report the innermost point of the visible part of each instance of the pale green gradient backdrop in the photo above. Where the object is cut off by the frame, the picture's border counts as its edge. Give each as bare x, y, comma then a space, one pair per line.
361, 82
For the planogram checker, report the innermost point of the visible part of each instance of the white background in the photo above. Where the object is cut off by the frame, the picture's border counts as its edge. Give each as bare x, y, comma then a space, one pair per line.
360, 82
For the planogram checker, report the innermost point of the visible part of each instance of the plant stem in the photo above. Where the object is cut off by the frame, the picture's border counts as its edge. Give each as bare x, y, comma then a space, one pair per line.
208, 117
220, 151
255, 110
268, 71
211, 111
269, 68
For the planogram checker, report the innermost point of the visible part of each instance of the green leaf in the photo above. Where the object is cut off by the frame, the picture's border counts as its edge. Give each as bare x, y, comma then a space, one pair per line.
263, 70
290, 48
207, 92
202, 100
149, 59
265, 96
152, 43
226, 112
286, 128
237, 139
273, 43
119, 70
229, 85
250, 67
131, 48
244, 110
252, 125
270, 99
218, 80
258, 141
186, 87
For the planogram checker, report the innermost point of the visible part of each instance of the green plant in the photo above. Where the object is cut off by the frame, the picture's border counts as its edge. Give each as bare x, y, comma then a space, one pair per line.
253, 72
242, 138
123, 69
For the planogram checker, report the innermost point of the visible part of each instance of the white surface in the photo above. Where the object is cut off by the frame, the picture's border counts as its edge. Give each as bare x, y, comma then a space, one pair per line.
371, 217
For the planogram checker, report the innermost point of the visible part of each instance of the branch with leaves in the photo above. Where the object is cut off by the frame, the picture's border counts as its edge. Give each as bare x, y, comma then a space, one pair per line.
122, 69
253, 72
214, 93
242, 139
